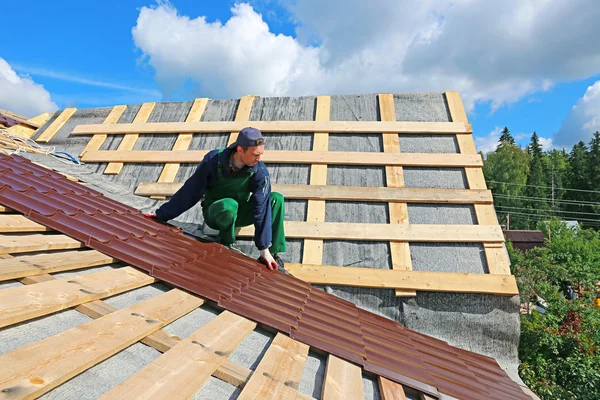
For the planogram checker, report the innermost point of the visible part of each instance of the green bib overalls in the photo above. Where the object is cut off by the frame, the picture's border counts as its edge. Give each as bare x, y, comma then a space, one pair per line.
227, 206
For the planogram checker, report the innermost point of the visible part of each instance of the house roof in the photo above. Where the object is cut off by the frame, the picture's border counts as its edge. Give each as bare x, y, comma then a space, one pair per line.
425, 188
518, 236
242, 286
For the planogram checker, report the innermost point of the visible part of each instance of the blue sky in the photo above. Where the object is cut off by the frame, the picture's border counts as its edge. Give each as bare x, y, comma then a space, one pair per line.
86, 54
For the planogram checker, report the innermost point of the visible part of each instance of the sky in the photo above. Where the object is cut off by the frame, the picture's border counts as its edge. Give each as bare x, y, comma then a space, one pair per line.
529, 65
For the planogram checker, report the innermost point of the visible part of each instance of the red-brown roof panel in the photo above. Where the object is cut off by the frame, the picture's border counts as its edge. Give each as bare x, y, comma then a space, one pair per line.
246, 287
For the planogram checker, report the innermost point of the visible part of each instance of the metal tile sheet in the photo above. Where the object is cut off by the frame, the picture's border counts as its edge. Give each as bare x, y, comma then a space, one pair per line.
246, 287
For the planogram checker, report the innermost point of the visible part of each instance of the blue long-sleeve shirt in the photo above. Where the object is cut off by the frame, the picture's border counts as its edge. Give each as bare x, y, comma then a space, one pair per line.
205, 176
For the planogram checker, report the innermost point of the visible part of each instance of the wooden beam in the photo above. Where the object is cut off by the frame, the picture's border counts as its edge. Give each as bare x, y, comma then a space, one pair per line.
5, 209
46, 263
56, 125
278, 374
12, 223
129, 140
279, 127
183, 141
343, 380
388, 232
41, 366
181, 371
27, 302
294, 157
399, 251
313, 248
390, 390
18, 118
242, 115
161, 340
401, 279
496, 259
350, 193
97, 140
13, 244
27, 132
350, 231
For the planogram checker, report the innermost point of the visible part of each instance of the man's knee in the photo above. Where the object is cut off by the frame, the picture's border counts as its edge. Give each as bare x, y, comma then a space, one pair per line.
225, 210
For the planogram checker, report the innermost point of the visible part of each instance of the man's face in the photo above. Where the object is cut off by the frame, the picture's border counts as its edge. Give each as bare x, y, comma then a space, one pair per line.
251, 156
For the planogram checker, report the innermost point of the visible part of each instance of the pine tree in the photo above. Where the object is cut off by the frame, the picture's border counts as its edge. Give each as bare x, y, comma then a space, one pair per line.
578, 179
593, 171
537, 182
505, 137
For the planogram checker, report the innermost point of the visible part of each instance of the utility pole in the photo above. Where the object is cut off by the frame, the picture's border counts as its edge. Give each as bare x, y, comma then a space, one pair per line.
508, 222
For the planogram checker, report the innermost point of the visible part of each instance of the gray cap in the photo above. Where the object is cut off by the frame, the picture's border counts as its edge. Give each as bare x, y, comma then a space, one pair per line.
250, 137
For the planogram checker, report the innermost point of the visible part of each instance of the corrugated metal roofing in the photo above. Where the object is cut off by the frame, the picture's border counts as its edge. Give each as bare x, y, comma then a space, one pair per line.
244, 286
524, 236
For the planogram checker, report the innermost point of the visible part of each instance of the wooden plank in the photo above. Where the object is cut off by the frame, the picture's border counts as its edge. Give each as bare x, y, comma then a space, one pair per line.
129, 140
399, 251
183, 141
56, 125
408, 127
39, 367
242, 115
343, 380
496, 259
313, 249
388, 232
97, 140
278, 374
390, 390
181, 371
161, 340
366, 231
350, 193
14, 244
18, 118
18, 223
400, 279
27, 132
69, 177
27, 302
5, 209
20, 267
294, 157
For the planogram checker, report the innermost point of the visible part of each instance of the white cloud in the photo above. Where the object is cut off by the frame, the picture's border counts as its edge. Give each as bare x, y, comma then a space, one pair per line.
85, 81
496, 51
488, 143
546, 143
21, 95
582, 121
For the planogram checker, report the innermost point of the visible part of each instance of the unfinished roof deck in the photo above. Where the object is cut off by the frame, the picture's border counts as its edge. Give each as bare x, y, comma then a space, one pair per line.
476, 317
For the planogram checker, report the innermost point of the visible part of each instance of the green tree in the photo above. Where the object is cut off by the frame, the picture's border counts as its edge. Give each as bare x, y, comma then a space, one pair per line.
537, 181
506, 137
594, 171
506, 170
578, 178
557, 162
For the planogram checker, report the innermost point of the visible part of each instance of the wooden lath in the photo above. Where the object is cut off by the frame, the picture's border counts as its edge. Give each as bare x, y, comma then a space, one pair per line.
449, 128
293, 157
335, 230
129, 140
183, 141
496, 257
399, 251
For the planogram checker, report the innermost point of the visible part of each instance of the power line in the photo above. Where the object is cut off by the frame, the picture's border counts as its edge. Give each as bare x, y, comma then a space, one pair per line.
540, 199
545, 187
552, 211
538, 216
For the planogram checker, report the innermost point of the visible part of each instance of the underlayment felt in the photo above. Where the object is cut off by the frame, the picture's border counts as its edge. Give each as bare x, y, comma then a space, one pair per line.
483, 323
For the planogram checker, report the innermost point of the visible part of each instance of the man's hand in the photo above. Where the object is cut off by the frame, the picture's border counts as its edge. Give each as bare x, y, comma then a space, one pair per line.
151, 216
267, 259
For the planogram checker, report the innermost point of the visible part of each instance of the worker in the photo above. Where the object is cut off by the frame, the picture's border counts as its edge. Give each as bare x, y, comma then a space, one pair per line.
236, 188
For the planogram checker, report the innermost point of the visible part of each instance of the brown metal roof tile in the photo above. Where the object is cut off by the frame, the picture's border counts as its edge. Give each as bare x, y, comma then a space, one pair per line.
246, 287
